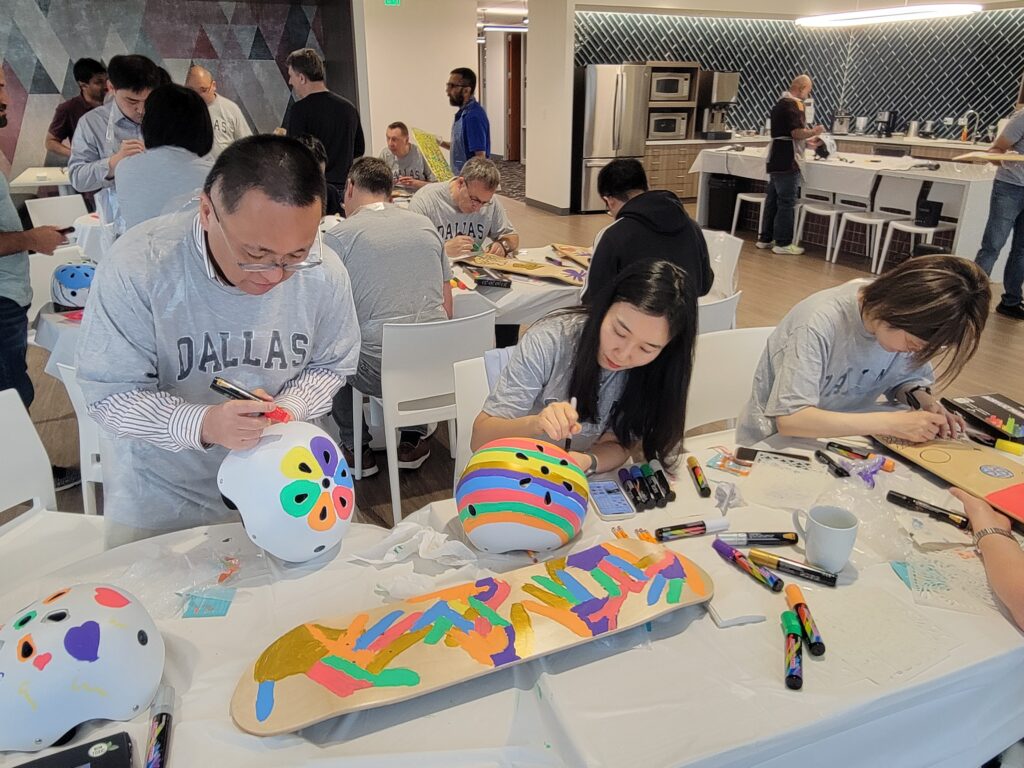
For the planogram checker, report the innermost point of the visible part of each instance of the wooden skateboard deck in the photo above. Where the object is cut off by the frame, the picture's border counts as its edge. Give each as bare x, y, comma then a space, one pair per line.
432, 153
578, 253
989, 157
570, 275
981, 471
399, 651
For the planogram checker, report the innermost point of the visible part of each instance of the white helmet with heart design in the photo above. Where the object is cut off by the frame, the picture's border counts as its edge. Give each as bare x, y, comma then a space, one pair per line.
293, 490
87, 652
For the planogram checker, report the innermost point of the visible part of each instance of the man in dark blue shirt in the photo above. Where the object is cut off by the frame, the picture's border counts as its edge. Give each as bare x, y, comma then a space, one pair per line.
471, 131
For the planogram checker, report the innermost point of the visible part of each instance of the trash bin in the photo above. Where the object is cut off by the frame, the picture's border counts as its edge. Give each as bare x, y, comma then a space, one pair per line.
722, 191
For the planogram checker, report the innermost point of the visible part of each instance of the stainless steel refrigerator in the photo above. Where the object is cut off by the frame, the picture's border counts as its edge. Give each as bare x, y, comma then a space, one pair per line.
611, 110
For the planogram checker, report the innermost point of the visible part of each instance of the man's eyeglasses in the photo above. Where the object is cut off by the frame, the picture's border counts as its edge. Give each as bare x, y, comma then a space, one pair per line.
248, 266
449, 86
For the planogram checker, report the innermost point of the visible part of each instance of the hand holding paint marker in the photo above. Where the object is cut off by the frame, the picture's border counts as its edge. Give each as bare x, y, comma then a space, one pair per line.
559, 420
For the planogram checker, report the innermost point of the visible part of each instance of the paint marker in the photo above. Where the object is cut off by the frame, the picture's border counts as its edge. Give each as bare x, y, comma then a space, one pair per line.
661, 494
640, 497
767, 539
696, 528
160, 728
568, 439
639, 479
793, 567
795, 600
857, 454
1010, 447
644, 535
936, 513
760, 575
698, 476
833, 468
620, 532
659, 473
224, 387
552, 260
794, 654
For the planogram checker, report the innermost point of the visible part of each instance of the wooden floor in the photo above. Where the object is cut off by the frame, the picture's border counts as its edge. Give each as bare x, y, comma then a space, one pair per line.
771, 284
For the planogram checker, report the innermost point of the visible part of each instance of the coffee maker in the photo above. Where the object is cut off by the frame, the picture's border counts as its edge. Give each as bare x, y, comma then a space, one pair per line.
717, 94
885, 122
841, 124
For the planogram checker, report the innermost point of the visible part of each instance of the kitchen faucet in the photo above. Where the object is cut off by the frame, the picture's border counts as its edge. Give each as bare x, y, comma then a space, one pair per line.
973, 135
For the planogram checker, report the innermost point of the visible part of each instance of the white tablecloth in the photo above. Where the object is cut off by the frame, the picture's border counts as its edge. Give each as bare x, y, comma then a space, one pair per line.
33, 178
93, 237
683, 693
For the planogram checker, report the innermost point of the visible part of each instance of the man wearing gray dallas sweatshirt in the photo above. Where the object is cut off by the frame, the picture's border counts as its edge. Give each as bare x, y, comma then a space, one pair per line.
171, 308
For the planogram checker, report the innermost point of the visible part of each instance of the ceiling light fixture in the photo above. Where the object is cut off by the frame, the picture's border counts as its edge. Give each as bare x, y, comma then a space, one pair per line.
886, 15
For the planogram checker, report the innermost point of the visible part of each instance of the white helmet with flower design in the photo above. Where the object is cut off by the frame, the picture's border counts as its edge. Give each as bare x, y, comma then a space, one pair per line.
293, 490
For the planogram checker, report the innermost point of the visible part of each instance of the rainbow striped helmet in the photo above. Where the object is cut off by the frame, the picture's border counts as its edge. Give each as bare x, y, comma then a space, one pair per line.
519, 493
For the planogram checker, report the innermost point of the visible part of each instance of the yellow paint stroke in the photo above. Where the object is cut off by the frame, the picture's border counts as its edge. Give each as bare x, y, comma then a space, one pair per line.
462, 608
399, 644
693, 579
116, 623
450, 641
524, 631
291, 654
566, 618
553, 567
23, 692
458, 592
646, 562
77, 686
542, 594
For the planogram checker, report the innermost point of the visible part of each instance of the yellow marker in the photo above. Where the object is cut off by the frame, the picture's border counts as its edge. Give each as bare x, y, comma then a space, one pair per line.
1010, 447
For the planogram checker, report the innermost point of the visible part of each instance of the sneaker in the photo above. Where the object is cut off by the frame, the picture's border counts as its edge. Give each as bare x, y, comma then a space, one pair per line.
1011, 310
369, 461
412, 455
788, 250
764, 244
66, 477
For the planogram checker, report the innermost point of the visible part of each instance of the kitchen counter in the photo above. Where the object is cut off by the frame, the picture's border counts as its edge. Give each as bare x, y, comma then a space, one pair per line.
733, 140
917, 141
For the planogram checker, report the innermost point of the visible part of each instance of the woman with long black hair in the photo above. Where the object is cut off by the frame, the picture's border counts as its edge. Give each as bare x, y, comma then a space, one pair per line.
625, 359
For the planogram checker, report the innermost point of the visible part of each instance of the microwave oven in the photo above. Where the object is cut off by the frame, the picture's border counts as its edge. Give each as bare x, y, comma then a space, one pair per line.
670, 86
667, 125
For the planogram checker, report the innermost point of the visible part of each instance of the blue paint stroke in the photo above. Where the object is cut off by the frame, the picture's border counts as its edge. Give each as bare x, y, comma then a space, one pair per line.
265, 700
377, 630
578, 590
630, 570
654, 592
436, 611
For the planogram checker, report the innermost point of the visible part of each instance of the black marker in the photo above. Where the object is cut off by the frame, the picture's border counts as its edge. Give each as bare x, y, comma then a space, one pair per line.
835, 469
659, 473
640, 498
937, 513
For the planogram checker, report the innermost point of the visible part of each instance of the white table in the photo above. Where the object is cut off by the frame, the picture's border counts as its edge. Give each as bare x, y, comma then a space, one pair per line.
93, 236
528, 300
685, 693
33, 178
855, 174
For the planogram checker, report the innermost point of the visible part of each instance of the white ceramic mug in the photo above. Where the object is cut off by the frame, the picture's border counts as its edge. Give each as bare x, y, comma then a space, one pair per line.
829, 536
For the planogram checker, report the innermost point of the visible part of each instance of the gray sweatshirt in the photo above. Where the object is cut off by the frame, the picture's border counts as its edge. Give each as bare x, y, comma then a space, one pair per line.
159, 325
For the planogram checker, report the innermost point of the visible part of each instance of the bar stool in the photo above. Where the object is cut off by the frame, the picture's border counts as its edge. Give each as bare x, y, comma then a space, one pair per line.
818, 203
754, 198
951, 198
888, 205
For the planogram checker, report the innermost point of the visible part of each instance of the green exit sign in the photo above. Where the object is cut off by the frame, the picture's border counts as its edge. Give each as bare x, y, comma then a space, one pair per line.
392, 2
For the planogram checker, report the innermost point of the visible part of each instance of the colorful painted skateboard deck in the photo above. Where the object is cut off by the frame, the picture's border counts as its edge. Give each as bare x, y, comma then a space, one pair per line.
983, 472
399, 651
578, 253
432, 153
570, 275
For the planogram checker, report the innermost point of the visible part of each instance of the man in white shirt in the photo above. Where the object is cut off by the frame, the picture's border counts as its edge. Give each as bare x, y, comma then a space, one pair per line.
229, 124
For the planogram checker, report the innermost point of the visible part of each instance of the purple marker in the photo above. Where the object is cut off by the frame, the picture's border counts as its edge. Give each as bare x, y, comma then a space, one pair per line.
643, 482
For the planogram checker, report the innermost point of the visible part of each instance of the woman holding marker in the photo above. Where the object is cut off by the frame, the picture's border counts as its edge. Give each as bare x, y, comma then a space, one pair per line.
626, 358
838, 351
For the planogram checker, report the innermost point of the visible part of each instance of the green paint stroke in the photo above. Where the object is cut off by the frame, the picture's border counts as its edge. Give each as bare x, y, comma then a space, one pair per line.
386, 678
554, 587
606, 581
439, 630
675, 590
487, 612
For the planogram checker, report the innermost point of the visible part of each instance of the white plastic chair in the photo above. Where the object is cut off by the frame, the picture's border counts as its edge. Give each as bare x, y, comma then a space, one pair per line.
723, 371
718, 315
56, 211
724, 254
25, 474
88, 439
894, 199
951, 197
418, 379
754, 198
471, 389
818, 203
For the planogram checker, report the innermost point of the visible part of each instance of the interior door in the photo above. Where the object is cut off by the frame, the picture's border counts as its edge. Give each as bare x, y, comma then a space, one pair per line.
513, 95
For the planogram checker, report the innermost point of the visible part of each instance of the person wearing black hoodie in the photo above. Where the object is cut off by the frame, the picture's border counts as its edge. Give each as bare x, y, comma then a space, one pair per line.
649, 224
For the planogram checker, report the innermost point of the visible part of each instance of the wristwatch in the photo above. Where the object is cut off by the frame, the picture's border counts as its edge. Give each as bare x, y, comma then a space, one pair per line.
912, 401
979, 535
592, 469
506, 245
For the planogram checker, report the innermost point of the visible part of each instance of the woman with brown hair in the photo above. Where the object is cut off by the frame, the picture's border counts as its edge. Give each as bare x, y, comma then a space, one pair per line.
838, 351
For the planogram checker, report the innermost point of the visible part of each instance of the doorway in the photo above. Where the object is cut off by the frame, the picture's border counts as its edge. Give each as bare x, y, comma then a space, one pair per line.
514, 97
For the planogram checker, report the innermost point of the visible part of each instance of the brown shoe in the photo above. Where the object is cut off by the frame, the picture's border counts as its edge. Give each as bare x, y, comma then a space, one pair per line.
412, 455
369, 461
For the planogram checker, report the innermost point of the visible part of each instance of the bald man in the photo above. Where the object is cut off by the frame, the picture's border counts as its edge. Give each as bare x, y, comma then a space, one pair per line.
229, 124
785, 154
